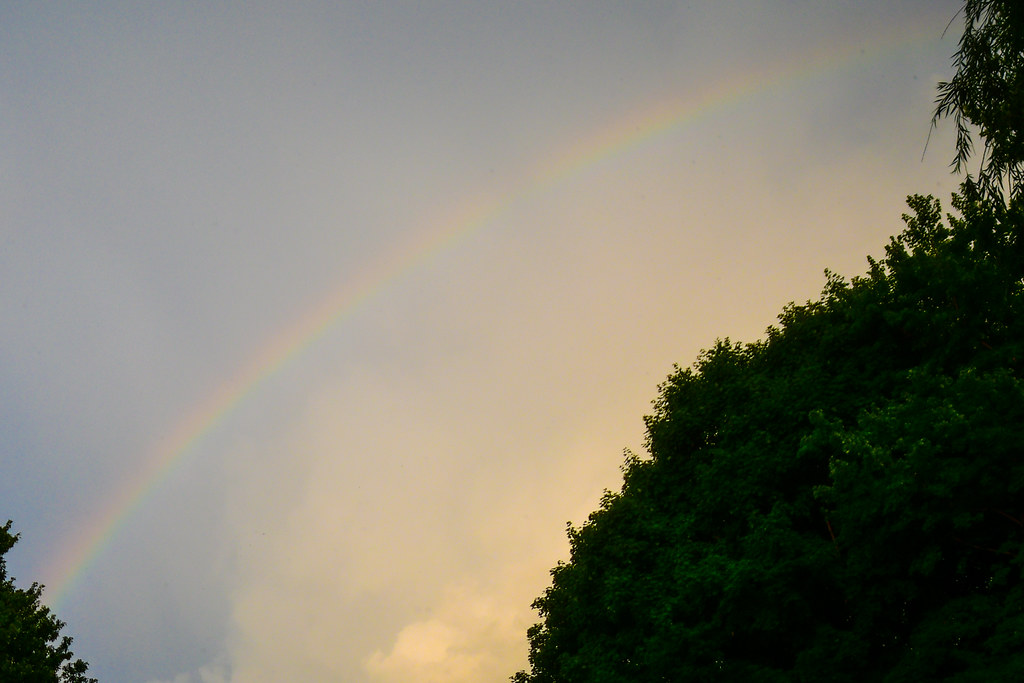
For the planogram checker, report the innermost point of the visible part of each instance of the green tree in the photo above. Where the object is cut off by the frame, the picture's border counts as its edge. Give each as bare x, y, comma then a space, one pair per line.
987, 91
31, 647
844, 500
839, 502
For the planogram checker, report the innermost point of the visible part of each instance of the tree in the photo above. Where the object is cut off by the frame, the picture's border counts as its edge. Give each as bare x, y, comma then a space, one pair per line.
839, 502
844, 500
31, 647
987, 91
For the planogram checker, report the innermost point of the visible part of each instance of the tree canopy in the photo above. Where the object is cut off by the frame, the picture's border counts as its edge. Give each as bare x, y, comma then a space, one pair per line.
844, 500
31, 647
839, 502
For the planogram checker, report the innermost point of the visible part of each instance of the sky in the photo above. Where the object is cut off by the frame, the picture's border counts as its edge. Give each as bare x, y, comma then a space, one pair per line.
321, 320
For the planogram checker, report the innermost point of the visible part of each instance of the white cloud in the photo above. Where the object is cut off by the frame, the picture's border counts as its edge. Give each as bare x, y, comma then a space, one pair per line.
405, 546
472, 636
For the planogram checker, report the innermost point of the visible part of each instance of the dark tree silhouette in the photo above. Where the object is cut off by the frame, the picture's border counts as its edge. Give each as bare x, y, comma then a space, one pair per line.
840, 502
843, 501
31, 647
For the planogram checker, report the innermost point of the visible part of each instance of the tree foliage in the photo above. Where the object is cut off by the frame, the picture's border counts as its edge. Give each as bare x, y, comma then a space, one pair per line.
842, 501
31, 647
987, 91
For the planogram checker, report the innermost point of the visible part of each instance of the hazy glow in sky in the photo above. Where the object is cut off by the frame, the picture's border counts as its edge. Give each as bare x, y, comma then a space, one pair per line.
320, 320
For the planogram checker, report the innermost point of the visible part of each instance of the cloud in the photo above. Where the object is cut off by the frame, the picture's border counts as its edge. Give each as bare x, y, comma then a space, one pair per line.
473, 636
403, 545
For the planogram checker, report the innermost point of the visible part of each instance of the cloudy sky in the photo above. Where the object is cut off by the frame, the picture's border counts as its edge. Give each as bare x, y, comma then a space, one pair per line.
320, 320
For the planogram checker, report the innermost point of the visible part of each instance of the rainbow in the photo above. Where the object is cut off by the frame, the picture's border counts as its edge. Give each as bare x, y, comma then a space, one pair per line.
644, 126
